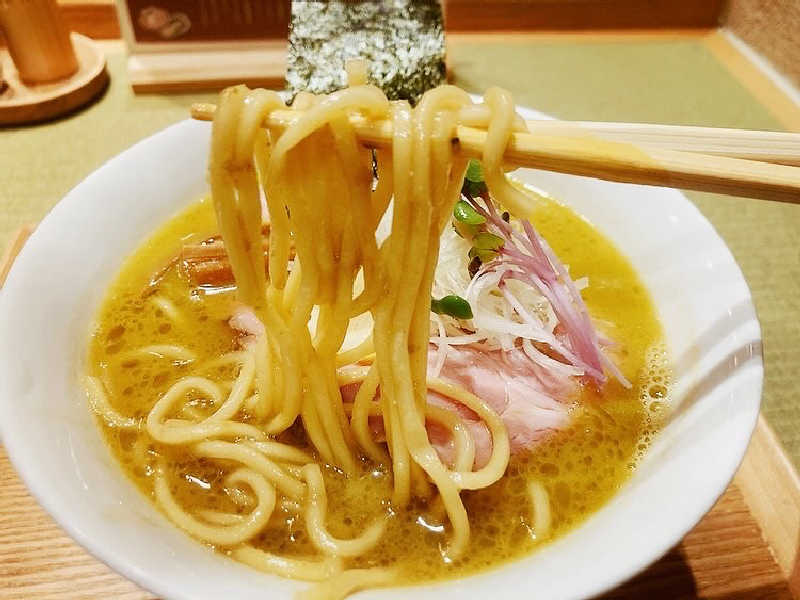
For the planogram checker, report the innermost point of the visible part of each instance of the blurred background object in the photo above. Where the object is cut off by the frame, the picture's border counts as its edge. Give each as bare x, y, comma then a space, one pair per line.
37, 40
403, 41
179, 45
768, 26
44, 71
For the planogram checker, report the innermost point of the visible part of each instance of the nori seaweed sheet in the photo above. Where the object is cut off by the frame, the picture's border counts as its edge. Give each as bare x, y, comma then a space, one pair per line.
403, 40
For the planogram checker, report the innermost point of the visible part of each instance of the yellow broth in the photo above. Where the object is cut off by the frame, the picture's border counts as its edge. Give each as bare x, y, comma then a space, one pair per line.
581, 467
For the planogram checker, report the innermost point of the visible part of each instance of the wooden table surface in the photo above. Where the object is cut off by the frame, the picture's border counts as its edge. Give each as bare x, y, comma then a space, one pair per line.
724, 557
39, 560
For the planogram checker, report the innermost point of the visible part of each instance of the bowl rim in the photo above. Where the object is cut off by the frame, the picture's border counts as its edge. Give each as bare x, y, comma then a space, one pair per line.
47, 497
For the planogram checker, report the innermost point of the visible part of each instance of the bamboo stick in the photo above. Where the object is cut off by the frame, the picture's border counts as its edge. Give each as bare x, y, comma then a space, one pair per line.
592, 156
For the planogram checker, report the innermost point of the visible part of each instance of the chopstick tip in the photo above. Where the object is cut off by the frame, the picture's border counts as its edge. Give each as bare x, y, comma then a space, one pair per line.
203, 111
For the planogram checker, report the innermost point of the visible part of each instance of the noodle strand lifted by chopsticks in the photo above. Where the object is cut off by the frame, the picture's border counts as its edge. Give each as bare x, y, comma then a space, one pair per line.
323, 203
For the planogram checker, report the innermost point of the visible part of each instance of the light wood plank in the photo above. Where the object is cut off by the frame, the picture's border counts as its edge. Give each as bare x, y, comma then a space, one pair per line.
38, 560
14, 246
256, 65
723, 557
755, 81
771, 487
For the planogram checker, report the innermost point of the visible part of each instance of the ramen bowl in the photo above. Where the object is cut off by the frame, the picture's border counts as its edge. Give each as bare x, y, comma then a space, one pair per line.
51, 436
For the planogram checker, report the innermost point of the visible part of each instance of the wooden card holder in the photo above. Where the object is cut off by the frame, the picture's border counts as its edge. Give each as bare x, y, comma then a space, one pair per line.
189, 45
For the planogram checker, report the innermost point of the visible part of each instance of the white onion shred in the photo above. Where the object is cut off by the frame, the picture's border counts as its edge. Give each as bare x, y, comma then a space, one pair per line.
516, 301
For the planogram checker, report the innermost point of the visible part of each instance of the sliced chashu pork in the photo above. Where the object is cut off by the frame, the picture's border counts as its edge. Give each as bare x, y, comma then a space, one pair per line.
530, 404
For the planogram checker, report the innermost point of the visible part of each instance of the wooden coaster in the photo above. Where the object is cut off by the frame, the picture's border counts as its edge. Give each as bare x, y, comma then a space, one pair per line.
21, 103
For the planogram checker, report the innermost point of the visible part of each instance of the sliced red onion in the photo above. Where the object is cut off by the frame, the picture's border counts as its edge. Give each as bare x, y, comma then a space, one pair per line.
528, 258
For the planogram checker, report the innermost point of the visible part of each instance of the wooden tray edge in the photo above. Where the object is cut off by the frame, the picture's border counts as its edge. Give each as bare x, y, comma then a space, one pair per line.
179, 71
13, 248
770, 486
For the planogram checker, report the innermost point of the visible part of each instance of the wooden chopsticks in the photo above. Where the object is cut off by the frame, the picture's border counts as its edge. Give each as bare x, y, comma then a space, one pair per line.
727, 161
777, 147
13, 249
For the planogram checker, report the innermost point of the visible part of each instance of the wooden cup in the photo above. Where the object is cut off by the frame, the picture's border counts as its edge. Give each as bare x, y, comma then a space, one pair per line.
38, 40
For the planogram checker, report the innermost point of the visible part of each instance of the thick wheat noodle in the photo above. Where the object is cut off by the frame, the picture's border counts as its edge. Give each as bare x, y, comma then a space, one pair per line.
293, 568
462, 438
316, 510
251, 403
161, 351
367, 99
380, 199
450, 190
256, 461
142, 452
262, 401
317, 181
290, 506
287, 390
182, 431
359, 418
216, 517
292, 285
347, 582
282, 452
540, 507
501, 124
192, 412
225, 534
221, 172
98, 400
392, 256
249, 159
231, 358
352, 374
288, 372
322, 279
358, 190
238, 392
168, 308
317, 410
494, 469
357, 72
406, 397
434, 127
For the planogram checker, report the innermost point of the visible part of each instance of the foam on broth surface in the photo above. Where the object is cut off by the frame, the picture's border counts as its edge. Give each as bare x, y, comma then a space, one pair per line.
581, 467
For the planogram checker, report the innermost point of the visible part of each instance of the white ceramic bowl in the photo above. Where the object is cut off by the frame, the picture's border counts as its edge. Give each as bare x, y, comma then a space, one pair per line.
56, 284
